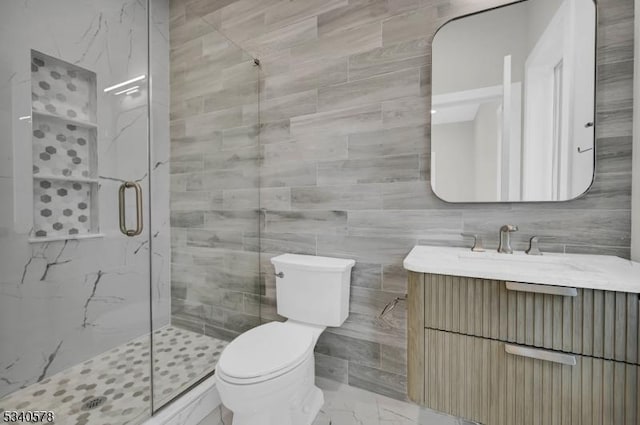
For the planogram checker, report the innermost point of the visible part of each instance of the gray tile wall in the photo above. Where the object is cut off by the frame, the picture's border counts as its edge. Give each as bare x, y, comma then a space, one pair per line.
214, 178
345, 88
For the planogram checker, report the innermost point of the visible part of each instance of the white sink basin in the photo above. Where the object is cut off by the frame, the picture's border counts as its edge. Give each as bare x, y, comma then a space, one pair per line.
557, 262
603, 272
512, 258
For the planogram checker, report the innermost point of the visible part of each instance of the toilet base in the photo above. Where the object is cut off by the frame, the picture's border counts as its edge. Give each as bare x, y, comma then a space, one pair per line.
289, 399
302, 414
311, 407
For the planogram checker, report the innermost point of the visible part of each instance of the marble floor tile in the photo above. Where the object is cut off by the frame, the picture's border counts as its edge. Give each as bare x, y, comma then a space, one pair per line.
346, 405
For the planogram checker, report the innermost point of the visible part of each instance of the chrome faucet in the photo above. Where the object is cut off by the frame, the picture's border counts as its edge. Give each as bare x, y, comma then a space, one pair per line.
533, 247
505, 238
477, 241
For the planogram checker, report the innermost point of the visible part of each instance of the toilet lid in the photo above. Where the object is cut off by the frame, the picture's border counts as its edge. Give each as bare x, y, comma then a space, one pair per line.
265, 350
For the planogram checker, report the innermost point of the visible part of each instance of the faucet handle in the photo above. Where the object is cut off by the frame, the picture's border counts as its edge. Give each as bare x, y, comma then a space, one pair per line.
533, 246
509, 228
477, 241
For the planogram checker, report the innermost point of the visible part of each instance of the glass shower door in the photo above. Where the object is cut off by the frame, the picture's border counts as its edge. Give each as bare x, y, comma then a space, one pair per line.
212, 274
75, 239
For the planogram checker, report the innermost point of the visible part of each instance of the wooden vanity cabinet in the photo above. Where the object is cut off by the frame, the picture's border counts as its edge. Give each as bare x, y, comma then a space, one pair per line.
500, 352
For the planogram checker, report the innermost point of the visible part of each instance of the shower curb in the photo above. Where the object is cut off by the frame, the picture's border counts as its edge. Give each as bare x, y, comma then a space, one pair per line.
191, 408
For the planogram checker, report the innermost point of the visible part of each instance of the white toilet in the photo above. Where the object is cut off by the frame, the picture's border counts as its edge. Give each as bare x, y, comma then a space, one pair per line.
266, 376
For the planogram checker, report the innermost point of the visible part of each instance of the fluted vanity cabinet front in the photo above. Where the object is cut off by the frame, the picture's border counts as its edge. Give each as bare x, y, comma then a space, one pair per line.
476, 378
500, 352
602, 324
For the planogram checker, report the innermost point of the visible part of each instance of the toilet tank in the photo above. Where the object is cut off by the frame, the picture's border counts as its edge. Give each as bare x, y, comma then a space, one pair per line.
312, 289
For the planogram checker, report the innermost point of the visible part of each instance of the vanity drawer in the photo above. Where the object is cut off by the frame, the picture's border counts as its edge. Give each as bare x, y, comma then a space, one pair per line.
596, 323
477, 379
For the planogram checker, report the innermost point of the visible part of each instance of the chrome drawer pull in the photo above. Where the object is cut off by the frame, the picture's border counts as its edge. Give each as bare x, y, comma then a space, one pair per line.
534, 353
542, 289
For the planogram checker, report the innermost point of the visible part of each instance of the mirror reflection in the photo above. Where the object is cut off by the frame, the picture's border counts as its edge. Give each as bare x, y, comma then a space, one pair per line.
513, 103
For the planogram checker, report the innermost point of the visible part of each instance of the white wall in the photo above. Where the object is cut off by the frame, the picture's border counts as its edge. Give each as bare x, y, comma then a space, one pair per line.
454, 144
486, 133
457, 48
540, 13
635, 207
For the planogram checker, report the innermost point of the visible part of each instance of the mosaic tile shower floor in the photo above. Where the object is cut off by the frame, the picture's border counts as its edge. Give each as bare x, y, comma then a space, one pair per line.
121, 375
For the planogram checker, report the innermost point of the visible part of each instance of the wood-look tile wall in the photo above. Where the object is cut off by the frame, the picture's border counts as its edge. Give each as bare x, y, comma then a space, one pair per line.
344, 113
214, 179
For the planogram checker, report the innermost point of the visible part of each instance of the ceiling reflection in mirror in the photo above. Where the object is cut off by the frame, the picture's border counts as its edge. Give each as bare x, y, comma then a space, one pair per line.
512, 116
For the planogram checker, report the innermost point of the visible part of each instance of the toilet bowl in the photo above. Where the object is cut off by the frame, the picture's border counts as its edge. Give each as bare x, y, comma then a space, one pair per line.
266, 376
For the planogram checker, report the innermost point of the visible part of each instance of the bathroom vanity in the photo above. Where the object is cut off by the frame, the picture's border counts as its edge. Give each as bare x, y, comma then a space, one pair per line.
519, 339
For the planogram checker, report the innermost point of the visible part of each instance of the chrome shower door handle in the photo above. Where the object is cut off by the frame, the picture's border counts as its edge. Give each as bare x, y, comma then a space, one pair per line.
122, 203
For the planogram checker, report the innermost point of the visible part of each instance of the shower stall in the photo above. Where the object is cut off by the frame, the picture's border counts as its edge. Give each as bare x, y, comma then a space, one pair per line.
129, 235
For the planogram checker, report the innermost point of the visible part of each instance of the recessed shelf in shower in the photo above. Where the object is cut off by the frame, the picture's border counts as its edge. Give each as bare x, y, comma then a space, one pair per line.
64, 139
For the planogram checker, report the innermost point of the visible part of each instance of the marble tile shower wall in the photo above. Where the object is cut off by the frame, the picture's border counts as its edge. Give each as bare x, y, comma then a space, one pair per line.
66, 301
345, 101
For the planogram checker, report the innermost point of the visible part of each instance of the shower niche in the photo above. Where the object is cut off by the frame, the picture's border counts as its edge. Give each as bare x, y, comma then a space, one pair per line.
64, 154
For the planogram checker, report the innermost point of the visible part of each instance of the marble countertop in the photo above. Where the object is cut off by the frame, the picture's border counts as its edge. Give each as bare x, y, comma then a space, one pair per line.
602, 272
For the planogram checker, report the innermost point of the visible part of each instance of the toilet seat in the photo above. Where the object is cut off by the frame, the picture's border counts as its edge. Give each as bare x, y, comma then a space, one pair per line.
264, 353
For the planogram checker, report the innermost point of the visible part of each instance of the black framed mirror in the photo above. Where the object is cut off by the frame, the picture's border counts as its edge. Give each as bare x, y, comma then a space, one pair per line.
513, 103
